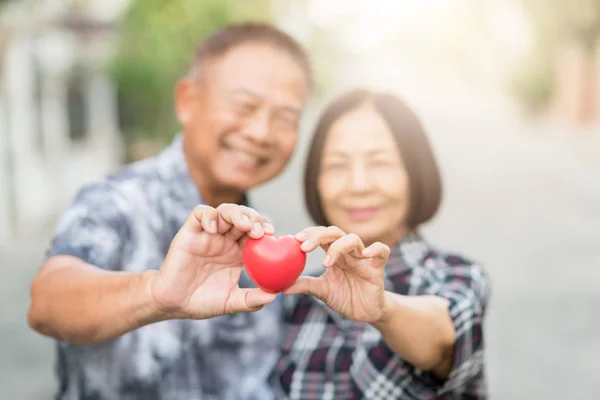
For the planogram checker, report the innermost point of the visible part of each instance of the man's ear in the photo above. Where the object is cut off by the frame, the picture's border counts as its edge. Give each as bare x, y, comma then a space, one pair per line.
185, 92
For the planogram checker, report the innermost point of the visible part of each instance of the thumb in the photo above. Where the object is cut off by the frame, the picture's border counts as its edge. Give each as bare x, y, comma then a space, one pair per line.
244, 300
309, 285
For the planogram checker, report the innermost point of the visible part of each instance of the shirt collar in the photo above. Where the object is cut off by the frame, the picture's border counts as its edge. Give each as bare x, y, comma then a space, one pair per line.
407, 253
173, 168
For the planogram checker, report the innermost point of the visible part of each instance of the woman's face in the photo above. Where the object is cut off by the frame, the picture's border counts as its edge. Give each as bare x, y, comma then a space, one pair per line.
363, 183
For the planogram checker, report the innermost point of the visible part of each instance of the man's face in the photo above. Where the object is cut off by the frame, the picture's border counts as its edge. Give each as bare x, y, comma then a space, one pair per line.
241, 116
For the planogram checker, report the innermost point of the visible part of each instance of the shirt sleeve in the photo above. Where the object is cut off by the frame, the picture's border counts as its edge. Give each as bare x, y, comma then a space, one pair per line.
378, 372
467, 288
92, 228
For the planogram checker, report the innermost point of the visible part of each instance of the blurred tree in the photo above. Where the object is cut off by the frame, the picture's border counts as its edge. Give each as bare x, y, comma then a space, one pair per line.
156, 41
5, 33
533, 82
556, 23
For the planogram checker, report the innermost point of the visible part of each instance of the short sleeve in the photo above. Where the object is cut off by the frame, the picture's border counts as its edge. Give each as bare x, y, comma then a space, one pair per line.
378, 372
467, 288
93, 228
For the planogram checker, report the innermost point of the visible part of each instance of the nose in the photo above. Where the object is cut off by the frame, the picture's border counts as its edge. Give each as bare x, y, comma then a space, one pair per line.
257, 127
360, 181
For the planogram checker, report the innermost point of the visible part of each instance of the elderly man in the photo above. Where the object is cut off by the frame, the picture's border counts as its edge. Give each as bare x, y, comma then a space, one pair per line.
142, 286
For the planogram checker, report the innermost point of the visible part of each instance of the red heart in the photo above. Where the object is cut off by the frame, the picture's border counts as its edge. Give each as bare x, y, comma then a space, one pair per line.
274, 264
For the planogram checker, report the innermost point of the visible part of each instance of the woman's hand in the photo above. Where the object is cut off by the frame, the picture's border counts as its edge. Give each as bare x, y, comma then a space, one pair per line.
353, 284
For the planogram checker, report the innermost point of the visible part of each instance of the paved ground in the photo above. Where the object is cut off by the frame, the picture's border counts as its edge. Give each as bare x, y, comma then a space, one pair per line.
522, 199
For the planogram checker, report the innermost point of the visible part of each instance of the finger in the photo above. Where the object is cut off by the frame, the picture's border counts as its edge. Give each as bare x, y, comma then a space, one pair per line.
245, 300
268, 226
349, 244
258, 221
316, 236
309, 285
203, 218
313, 232
244, 238
377, 250
245, 219
234, 220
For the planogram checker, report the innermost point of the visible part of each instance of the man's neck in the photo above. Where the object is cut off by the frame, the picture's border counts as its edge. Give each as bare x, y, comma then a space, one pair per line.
214, 198
211, 193
214, 195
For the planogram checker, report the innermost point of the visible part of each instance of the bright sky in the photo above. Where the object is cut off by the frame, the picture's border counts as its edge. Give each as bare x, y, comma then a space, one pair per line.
426, 42
365, 23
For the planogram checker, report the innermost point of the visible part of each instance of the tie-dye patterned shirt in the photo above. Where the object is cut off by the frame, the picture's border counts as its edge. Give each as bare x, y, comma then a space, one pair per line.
126, 222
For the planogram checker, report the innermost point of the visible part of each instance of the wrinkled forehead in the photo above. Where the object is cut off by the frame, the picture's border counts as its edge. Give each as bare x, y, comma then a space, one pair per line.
270, 73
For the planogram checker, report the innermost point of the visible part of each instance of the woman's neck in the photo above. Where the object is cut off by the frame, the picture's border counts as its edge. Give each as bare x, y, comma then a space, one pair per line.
392, 237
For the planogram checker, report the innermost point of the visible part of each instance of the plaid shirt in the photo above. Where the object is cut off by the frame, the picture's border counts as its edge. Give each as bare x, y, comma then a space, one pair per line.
328, 357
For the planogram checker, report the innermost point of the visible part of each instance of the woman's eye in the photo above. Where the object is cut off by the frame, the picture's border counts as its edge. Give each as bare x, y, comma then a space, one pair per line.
334, 166
382, 163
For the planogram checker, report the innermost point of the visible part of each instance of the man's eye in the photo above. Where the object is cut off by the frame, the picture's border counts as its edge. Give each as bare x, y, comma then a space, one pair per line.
287, 120
245, 107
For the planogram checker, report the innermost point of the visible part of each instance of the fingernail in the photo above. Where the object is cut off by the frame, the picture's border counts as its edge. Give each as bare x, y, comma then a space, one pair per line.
327, 260
307, 245
213, 226
301, 236
247, 220
267, 226
257, 228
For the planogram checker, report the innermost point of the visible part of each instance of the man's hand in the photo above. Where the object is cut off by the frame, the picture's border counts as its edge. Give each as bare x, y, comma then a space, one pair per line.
200, 274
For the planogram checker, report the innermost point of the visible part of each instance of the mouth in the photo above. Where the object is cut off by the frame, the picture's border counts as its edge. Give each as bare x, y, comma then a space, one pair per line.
243, 158
359, 214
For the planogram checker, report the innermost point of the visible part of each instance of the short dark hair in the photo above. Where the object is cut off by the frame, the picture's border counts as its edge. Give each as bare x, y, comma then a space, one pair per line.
425, 183
225, 39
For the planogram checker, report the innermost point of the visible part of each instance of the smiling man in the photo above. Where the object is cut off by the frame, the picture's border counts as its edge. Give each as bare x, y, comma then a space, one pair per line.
140, 286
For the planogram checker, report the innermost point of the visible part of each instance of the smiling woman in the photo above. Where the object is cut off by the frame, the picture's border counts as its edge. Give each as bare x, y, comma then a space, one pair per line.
392, 316
371, 167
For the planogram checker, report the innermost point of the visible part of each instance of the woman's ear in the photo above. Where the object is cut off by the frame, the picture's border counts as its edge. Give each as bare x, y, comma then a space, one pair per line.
185, 92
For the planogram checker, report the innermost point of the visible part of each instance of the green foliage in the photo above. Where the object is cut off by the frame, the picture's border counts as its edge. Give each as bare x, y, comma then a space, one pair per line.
156, 43
533, 85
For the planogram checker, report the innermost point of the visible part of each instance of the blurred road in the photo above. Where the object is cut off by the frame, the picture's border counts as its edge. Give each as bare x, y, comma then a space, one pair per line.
522, 199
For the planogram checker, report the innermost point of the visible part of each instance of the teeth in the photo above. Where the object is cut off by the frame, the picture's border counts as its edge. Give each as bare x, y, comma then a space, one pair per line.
245, 156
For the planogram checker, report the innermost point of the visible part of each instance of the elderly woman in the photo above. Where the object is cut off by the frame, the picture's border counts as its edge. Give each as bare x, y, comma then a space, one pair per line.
392, 316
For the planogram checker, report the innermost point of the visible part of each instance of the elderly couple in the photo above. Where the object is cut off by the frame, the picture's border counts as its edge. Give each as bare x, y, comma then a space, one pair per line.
143, 287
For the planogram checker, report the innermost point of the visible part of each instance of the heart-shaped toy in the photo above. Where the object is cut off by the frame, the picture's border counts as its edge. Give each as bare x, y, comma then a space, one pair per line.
272, 263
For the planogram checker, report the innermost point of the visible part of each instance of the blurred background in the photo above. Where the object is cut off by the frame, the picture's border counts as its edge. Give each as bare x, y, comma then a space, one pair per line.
509, 91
